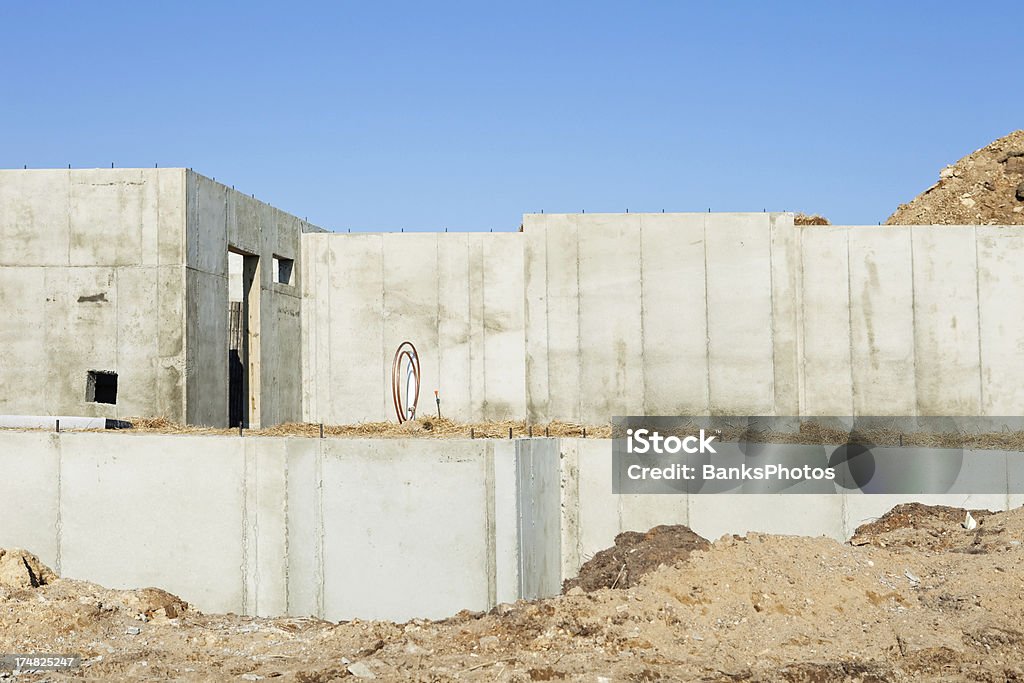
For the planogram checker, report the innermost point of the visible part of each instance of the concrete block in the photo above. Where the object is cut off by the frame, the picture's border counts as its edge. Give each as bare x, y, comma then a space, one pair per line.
140, 514
30, 462
674, 315
882, 321
424, 551
739, 285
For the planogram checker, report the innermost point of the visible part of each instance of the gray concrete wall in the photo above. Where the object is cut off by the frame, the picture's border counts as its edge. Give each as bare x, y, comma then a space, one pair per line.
92, 277
914, 320
338, 528
367, 528
659, 314
745, 314
457, 296
219, 218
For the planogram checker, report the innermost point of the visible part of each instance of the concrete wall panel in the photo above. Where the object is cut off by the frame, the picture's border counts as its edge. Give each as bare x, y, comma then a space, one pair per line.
946, 343
674, 322
882, 321
155, 511
826, 381
29, 481
376, 510
610, 322
739, 291
1000, 291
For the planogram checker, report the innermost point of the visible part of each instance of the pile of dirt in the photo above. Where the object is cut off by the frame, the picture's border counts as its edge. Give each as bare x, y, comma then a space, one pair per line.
635, 555
22, 569
925, 527
983, 188
810, 219
760, 608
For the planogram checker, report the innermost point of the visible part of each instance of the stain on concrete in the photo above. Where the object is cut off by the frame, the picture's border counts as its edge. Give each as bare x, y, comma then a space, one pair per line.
93, 298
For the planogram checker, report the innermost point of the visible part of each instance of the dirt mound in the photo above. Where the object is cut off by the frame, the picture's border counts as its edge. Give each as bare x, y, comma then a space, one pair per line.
22, 569
634, 555
810, 219
983, 188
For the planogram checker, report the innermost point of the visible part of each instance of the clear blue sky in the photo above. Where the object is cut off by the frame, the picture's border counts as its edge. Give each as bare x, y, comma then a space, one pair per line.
425, 115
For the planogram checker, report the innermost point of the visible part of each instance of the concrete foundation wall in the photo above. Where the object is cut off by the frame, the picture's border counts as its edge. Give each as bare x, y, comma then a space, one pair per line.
218, 218
375, 528
387, 529
92, 277
456, 296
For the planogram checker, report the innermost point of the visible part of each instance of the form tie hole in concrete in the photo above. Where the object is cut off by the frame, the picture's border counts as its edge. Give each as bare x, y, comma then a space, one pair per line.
101, 387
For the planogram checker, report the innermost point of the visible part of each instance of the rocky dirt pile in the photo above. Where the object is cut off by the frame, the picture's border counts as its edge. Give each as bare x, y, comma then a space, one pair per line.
983, 188
635, 555
759, 608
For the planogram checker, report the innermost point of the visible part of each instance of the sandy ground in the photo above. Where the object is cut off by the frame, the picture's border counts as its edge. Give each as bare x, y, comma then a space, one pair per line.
919, 598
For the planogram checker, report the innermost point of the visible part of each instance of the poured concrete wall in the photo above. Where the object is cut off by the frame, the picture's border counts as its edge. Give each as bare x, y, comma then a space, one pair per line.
218, 218
659, 314
367, 528
915, 320
745, 314
92, 277
387, 529
457, 296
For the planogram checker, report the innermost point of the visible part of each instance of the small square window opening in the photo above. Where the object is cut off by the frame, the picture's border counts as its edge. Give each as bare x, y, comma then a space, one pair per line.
101, 387
283, 270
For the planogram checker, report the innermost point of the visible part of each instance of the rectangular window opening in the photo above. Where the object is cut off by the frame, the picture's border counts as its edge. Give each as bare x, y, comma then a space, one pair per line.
283, 269
101, 387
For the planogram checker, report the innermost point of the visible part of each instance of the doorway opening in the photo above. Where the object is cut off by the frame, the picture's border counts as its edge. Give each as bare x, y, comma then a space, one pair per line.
243, 339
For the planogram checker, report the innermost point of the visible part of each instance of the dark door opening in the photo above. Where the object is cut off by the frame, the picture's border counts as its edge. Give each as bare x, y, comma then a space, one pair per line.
243, 339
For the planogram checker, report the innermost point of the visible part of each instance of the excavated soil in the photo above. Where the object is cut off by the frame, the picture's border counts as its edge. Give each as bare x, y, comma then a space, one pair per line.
983, 188
759, 608
635, 555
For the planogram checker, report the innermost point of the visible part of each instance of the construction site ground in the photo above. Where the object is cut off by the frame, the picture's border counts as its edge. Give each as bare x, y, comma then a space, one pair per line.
915, 596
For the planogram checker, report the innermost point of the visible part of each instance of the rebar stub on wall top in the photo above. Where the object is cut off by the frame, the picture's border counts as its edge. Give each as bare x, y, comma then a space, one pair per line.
405, 381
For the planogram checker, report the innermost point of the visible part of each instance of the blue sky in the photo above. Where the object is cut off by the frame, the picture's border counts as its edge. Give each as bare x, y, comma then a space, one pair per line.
382, 116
